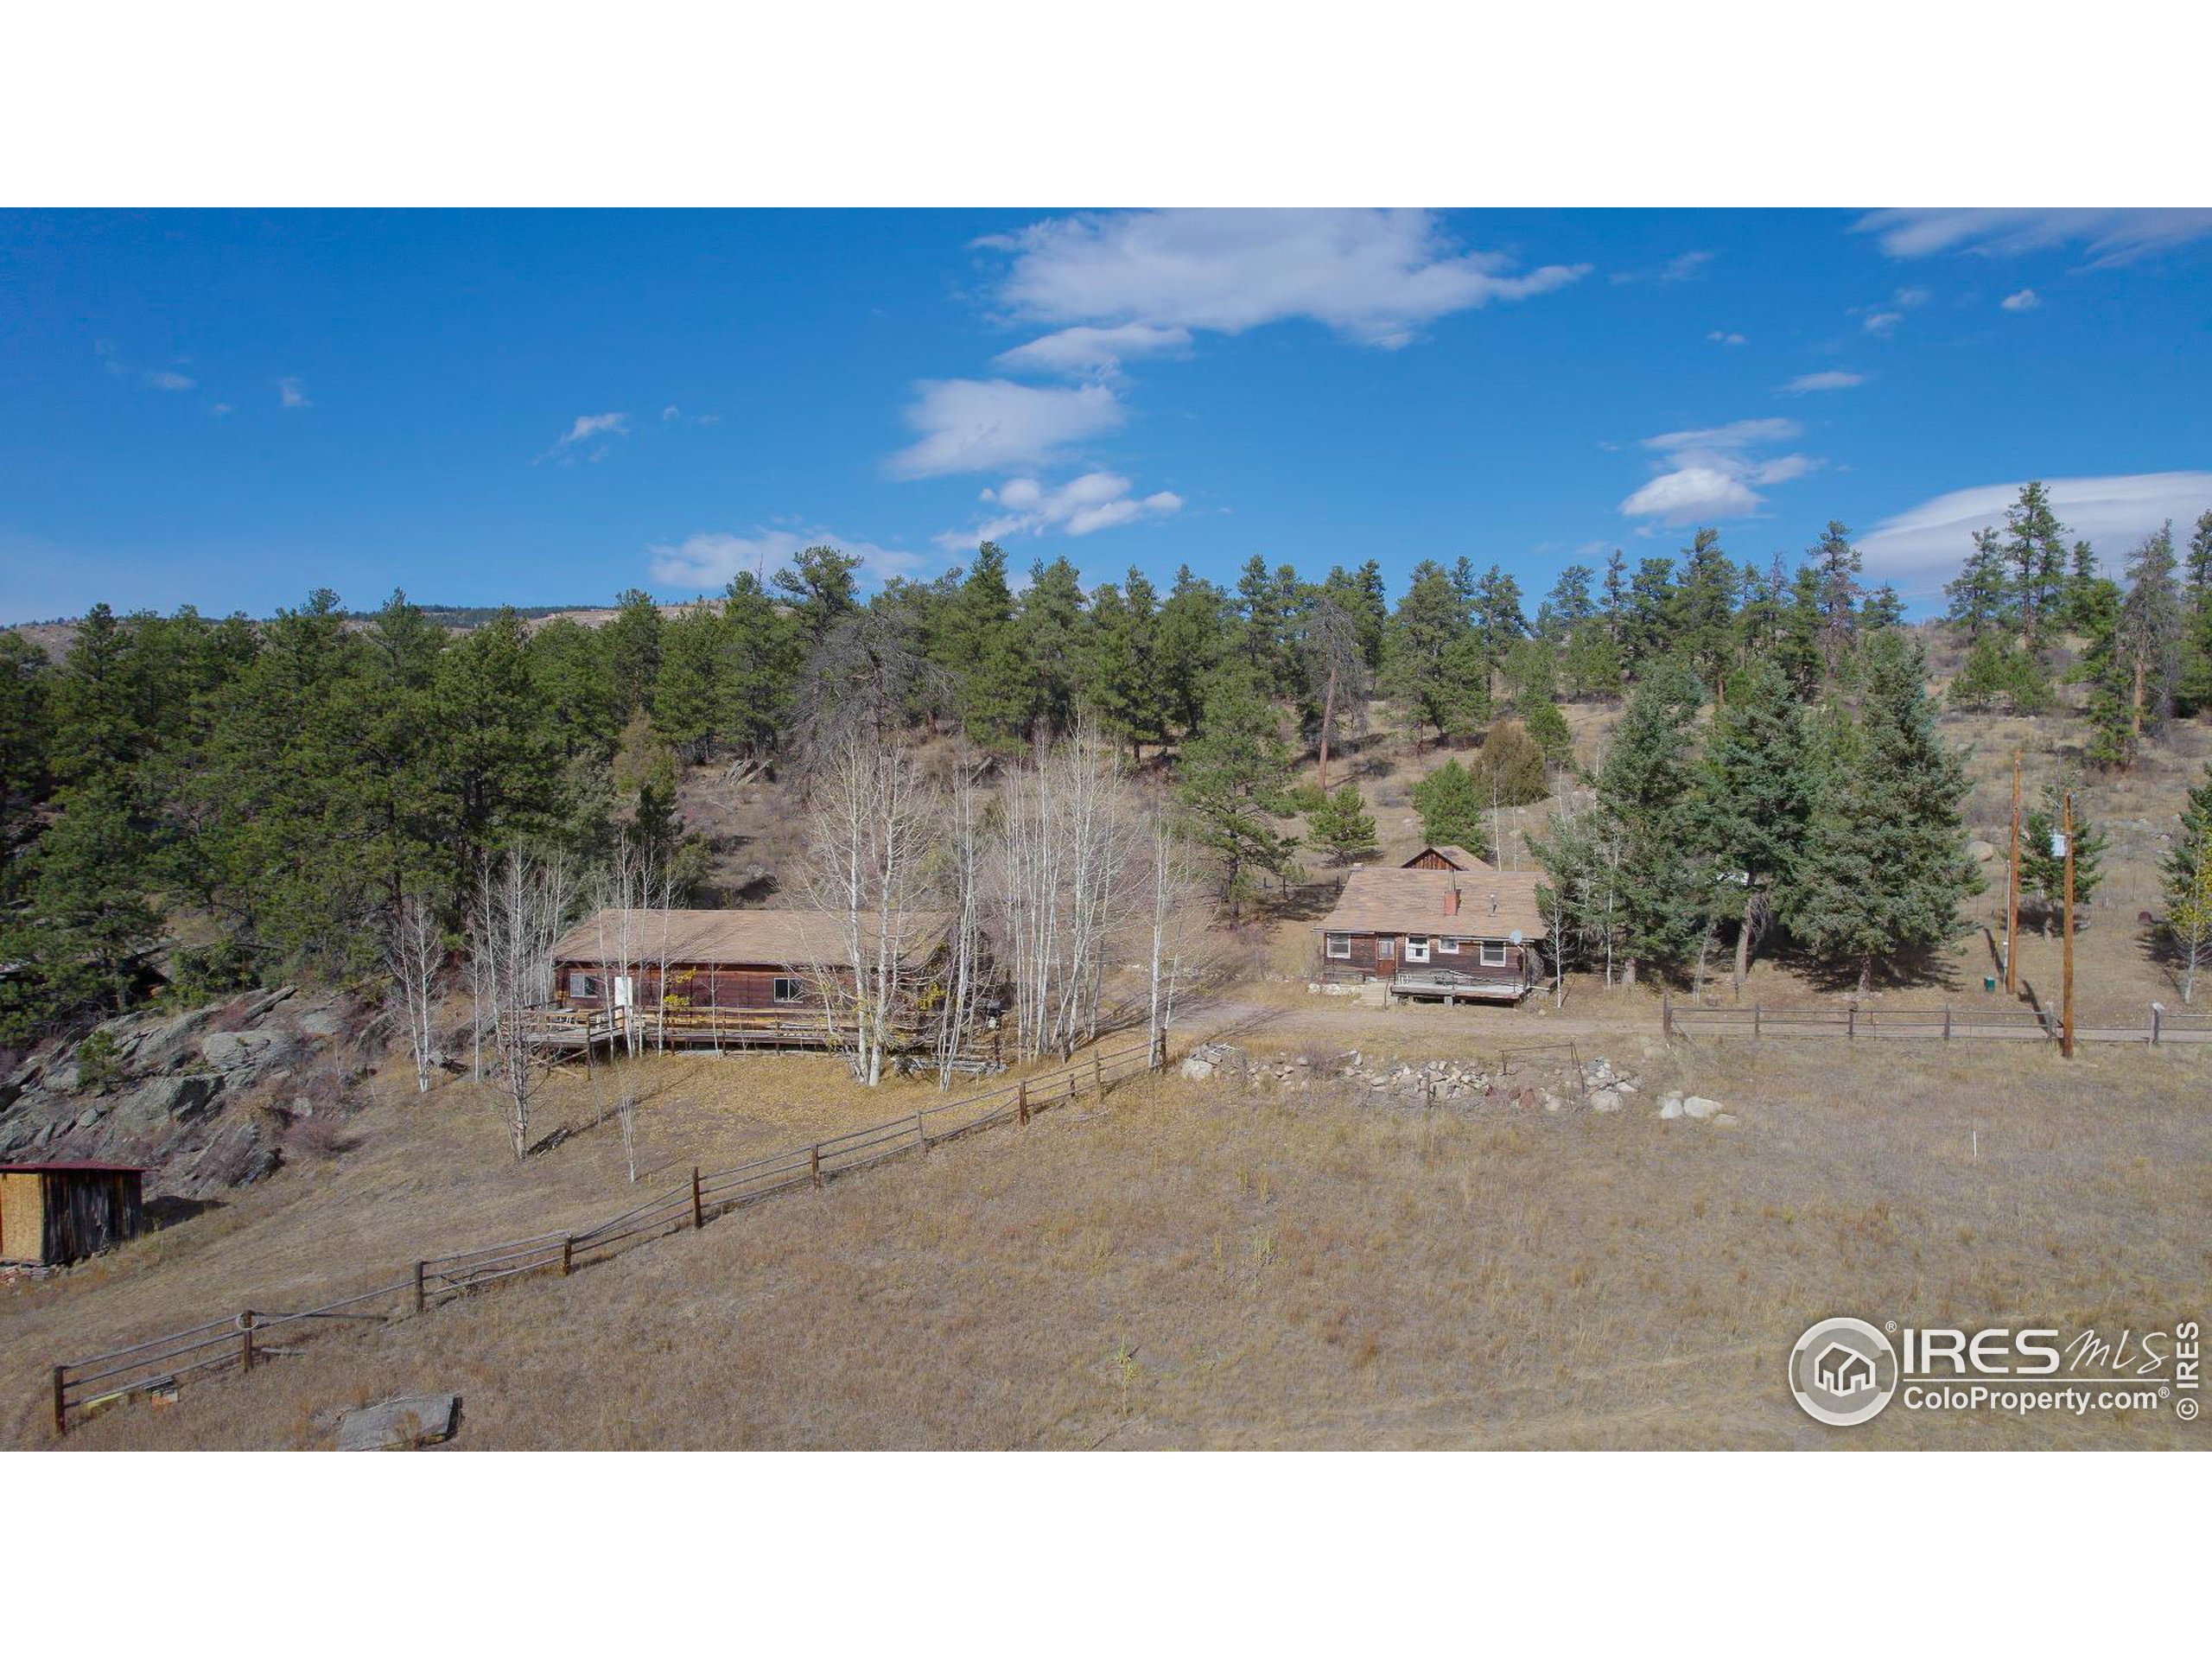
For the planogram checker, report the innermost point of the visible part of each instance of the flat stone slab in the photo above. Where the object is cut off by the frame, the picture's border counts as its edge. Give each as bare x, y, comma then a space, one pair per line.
400, 1425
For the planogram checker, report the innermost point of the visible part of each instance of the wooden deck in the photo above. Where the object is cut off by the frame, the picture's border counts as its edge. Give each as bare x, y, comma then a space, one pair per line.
722, 1030
1458, 985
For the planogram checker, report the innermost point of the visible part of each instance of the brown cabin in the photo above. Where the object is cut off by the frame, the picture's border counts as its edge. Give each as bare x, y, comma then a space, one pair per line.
733, 959
1446, 858
58, 1212
1447, 934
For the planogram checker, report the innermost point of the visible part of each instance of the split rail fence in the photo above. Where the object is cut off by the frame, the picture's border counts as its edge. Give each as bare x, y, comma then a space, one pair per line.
1946, 1023
161, 1364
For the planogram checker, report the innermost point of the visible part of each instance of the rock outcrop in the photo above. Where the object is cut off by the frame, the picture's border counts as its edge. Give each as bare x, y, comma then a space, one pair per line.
205, 1098
1549, 1085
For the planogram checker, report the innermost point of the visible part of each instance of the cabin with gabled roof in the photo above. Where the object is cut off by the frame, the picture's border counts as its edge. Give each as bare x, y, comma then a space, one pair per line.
1432, 934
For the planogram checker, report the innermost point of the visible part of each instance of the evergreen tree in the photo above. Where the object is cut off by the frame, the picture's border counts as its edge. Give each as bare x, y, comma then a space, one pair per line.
1568, 606
1549, 729
1499, 623
2186, 873
1189, 646
1235, 770
1452, 812
1646, 788
1429, 621
1647, 621
1342, 828
1755, 800
24, 738
2035, 554
2150, 632
1125, 683
1885, 864
820, 589
1703, 610
1509, 769
688, 702
88, 923
2193, 693
2000, 674
1049, 639
2042, 868
759, 666
632, 641
1838, 564
1981, 594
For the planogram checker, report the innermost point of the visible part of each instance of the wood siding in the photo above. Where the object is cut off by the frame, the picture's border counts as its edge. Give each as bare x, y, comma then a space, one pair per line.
694, 985
57, 1216
1366, 957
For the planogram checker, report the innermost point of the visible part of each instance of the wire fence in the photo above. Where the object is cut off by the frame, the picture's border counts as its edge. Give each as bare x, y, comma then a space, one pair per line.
1945, 1023
159, 1366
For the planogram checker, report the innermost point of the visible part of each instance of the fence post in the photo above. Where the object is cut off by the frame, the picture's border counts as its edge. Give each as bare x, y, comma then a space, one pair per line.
420, 1301
1755, 1019
1850, 1021
698, 1209
567, 1254
1946, 1023
2157, 1019
922, 1133
246, 1340
1667, 1016
814, 1165
1021, 1102
1097, 1077
60, 1400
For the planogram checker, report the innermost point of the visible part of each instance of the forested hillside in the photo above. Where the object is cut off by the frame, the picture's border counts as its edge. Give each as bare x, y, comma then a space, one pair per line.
241, 802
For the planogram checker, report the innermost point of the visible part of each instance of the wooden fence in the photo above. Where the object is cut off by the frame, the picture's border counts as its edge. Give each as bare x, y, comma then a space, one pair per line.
1946, 1023
159, 1365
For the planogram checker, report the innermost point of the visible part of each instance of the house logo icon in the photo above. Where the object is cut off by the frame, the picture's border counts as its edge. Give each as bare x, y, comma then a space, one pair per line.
1843, 1372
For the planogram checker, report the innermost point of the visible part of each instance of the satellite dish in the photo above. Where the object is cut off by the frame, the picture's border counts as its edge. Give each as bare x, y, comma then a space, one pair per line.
1516, 935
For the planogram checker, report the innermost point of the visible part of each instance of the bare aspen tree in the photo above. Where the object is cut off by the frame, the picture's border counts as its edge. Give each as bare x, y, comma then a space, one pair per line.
517, 914
1173, 890
632, 924
414, 956
874, 823
961, 864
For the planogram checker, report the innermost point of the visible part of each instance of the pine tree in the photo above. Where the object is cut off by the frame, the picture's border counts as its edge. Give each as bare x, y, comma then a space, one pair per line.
819, 587
1189, 646
1703, 609
88, 922
1509, 769
687, 703
1981, 594
1453, 813
2042, 868
1646, 787
632, 642
1125, 684
25, 735
1234, 772
1342, 828
1430, 620
1838, 563
1755, 802
759, 665
2035, 554
2193, 693
2149, 632
1549, 729
1886, 866
2000, 674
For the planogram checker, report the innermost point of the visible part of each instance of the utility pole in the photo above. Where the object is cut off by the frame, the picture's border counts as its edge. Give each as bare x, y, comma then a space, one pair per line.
2012, 886
2066, 1047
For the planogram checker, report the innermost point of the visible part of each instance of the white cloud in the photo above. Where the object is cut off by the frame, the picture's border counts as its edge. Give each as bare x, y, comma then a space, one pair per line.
1883, 322
2113, 236
1374, 275
1093, 352
218, 410
712, 557
1725, 337
1682, 268
2026, 299
670, 412
973, 426
291, 393
1716, 472
1826, 380
1092, 502
582, 431
169, 380
1922, 549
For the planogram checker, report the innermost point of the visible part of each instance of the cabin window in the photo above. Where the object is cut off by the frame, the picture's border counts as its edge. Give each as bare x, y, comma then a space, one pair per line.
1448, 947
1340, 946
1385, 949
583, 985
786, 990
1493, 953
1416, 950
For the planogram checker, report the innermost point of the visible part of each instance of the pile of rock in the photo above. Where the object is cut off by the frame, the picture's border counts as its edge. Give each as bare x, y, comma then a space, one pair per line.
178, 1093
1425, 1082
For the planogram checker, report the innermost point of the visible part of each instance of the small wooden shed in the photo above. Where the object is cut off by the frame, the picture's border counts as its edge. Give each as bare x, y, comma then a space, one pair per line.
52, 1213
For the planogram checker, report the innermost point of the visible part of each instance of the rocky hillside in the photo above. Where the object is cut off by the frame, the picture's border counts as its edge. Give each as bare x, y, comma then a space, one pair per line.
209, 1099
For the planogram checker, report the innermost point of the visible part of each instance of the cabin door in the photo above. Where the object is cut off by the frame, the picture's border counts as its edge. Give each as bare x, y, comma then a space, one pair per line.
624, 989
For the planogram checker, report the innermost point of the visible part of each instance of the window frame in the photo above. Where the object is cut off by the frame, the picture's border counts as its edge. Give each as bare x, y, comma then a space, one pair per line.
1448, 946
1501, 959
1329, 943
1417, 947
778, 995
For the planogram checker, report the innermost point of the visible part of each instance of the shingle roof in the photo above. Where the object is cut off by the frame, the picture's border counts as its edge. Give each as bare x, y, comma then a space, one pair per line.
775, 938
1492, 903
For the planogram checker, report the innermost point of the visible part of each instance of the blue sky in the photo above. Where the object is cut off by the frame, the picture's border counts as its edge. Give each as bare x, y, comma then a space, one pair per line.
230, 409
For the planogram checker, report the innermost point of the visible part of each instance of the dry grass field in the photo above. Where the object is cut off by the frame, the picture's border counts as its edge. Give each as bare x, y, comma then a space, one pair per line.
1197, 1266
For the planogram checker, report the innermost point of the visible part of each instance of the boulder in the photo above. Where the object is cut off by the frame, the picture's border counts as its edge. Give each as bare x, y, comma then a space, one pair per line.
1981, 851
400, 1425
1194, 1067
1670, 1106
1698, 1106
1604, 1100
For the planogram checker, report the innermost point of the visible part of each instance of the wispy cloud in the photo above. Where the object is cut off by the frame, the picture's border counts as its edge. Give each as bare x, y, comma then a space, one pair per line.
2111, 236
1825, 380
1375, 276
1726, 337
975, 426
2026, 299
292, 393
1716, 472
219, 409
712, 557
1682, 268
159, 380
168, 380
1094, 501
582, 431
1923, 547
1082, 350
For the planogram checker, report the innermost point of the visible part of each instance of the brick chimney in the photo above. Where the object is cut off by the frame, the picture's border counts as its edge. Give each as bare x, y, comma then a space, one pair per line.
1451, 902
